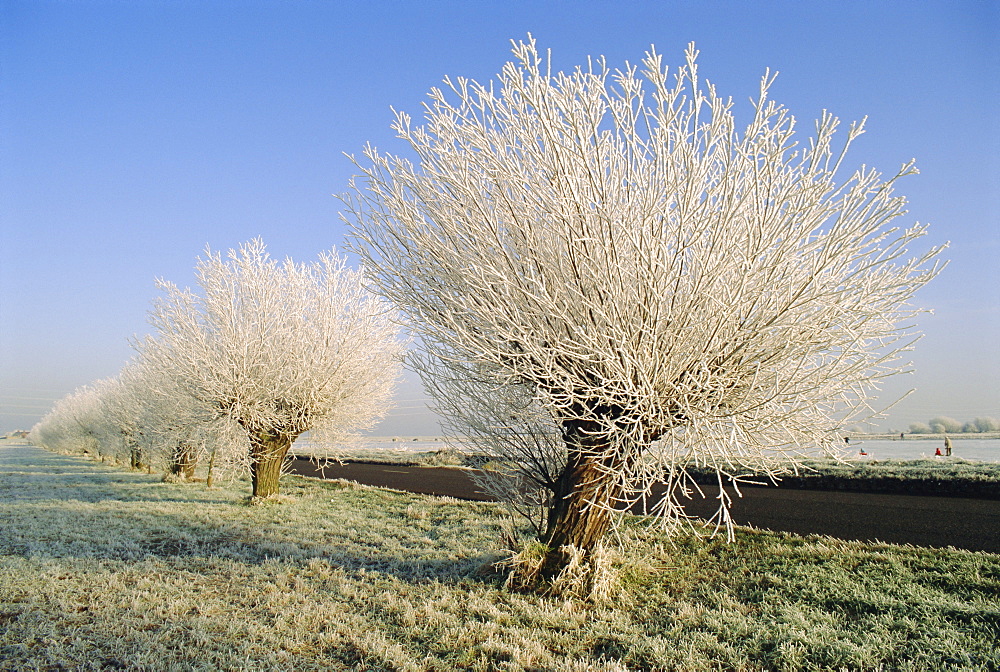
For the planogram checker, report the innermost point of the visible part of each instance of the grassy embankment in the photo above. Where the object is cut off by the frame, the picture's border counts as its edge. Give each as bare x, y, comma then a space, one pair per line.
947, 477
103, 568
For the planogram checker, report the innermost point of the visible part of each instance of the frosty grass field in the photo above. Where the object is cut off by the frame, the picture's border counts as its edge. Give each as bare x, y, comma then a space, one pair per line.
106, 568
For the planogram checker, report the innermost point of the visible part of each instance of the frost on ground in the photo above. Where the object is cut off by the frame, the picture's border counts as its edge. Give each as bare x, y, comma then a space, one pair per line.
106, 568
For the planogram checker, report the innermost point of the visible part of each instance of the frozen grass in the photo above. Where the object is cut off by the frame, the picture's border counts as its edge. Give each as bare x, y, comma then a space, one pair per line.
102, 568
428, 452
426, 458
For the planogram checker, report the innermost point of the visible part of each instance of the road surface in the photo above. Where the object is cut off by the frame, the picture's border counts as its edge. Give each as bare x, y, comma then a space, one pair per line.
972, 524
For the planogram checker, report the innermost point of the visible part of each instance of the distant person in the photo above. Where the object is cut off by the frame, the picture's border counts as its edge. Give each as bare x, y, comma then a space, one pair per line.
847, 440
947, 446
901, 436
937, 452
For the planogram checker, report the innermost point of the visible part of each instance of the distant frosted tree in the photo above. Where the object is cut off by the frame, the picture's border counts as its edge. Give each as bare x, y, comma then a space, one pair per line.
665, 286
125, 409
78, 422
276, 349
983, 425
987, 424
944, 425
163, 426
919, 428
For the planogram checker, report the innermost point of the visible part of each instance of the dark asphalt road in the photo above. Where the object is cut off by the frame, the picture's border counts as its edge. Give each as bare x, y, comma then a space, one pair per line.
972, 524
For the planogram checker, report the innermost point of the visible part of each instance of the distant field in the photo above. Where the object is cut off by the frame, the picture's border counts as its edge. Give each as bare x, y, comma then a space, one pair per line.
947, 477
922, 437
102, 568
974, 447
875, 472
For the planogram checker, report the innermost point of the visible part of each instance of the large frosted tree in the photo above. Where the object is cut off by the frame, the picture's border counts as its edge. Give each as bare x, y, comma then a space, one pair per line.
609, 254
277, 349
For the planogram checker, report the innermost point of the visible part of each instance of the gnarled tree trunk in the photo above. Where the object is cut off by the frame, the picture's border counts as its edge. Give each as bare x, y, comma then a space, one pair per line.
184, 461
580, 513
136, 460
267, 454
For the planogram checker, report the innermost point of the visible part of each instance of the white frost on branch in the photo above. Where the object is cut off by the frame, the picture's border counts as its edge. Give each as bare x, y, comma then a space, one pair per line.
165, 426
604, 258
78, 422
276, 348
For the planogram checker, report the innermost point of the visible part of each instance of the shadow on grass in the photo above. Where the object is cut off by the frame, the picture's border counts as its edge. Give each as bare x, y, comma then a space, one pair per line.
131, 535
59, 506
30, 474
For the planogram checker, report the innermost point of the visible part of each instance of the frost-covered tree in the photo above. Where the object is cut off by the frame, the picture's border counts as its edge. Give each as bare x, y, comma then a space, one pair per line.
944, 425
276, 349
124, 408
664, 284
78, 422
163, 427
985, 425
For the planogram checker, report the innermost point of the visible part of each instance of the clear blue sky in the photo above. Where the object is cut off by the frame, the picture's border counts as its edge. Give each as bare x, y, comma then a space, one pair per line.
132, 134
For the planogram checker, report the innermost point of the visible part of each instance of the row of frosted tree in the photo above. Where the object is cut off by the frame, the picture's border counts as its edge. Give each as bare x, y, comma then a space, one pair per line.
945, 425
231, 376
609, 276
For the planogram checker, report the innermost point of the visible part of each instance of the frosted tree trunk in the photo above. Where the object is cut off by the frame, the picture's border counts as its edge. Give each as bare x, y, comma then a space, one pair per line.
581, 511
184, 461
136, 459
210, 476
267, 454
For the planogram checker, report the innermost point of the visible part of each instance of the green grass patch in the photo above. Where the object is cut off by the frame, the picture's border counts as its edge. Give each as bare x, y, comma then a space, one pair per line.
102, 568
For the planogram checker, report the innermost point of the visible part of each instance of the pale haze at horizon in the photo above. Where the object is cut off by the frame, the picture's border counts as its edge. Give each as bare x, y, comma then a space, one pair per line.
133, 135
